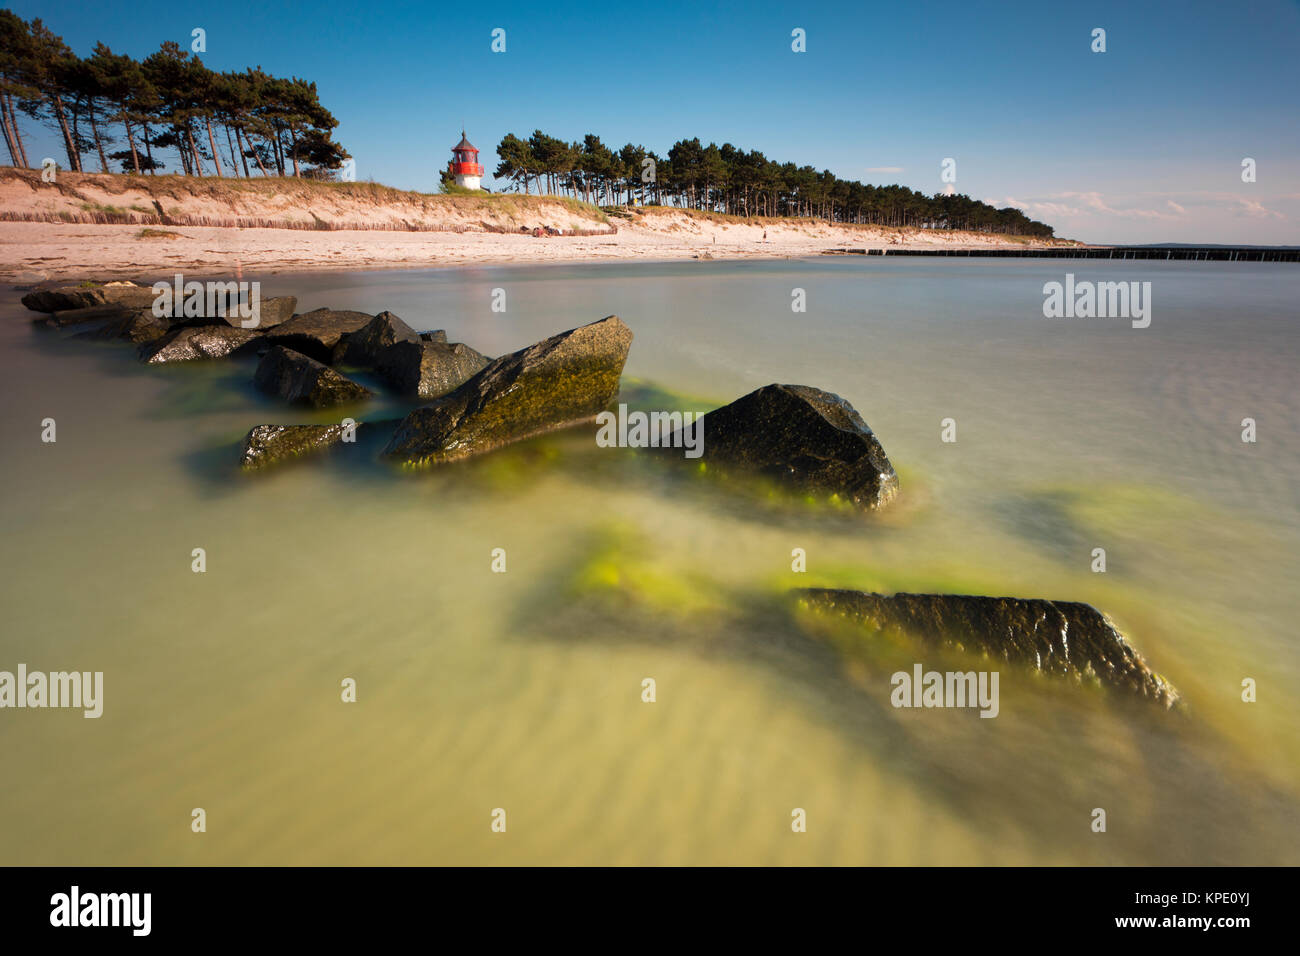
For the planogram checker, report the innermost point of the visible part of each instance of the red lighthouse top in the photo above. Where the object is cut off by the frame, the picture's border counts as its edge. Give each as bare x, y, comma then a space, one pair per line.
464, 158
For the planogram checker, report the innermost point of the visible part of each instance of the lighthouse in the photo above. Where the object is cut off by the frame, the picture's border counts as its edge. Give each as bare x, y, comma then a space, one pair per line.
464, 166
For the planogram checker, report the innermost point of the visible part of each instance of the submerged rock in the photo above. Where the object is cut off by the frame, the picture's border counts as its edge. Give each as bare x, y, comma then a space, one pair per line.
316, 333
561, 381
428, 369
1061, 638
270, 444
364, 346
188, 344
304, 381
810, 440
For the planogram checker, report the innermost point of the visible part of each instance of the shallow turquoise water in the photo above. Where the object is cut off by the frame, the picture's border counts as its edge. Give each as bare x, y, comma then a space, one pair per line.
523, 690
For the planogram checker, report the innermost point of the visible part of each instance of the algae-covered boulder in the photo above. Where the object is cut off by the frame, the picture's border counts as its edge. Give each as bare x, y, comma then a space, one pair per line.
428, 369
303, 381
1060, 638
804, 438
562, 381
316, 333
271, 444
364, 346
188, 344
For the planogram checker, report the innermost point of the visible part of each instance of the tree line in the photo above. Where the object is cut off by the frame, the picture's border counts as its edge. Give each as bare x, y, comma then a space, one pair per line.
730, 180
168, 103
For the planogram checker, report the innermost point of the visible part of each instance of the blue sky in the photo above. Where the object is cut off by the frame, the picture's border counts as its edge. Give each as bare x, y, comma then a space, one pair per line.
1142, 143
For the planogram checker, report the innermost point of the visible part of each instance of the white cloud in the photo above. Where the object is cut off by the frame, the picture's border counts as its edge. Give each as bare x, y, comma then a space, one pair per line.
884, 169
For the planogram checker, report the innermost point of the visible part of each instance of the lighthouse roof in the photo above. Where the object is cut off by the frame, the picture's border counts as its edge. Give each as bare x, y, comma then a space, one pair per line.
465, 143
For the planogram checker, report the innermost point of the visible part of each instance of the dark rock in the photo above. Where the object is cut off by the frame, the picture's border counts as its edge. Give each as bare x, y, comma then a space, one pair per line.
363, 347
202, 342
812, 441
126, 294
1061, 638
65, 318
138, 326
270, 444
304, 381
428, 369
561, 381
271, 312
316, 333
437, 335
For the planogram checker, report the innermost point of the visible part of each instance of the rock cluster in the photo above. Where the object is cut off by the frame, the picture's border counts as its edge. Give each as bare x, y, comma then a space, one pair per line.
807, 440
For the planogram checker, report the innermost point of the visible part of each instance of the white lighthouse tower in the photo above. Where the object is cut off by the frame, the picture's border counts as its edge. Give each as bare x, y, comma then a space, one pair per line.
464, 166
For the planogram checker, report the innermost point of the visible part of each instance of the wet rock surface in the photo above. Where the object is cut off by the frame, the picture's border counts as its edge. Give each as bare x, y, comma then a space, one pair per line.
317, 333
138, 327
188, 344
428, 369
124, 294
561, 381
303, 381
1060, 638
804, 438
270, 313
363, 347
266, 445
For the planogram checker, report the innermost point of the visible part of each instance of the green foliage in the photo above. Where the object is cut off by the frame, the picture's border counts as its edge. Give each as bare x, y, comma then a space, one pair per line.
725, 179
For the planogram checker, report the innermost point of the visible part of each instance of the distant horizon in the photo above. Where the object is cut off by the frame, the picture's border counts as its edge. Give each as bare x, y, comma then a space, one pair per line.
1140, 145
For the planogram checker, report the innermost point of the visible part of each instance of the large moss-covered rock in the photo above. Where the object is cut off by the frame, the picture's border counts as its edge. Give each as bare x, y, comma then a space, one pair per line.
271, 444
303, 381
1060, 638
316, 333
188, 344
428, 369
562, 381
363, 347
804, 438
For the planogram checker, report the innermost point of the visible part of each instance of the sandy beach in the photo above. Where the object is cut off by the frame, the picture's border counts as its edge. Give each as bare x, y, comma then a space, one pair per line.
114, 227
39, 251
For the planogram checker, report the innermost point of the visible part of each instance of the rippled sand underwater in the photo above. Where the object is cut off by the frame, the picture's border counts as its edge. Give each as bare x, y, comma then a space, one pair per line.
523, 690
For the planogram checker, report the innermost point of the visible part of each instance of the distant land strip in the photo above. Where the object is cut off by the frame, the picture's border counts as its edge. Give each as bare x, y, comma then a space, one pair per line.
1199, 253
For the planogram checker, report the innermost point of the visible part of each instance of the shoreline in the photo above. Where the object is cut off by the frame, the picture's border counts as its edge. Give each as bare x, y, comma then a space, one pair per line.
32, 252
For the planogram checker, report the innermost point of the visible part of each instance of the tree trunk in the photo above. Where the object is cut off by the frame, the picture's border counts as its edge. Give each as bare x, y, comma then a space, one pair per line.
99, 143
242, 155
9, 139
230, 145
13, 125
130, 138
258, 158
212, 142
194, 150
74, 161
